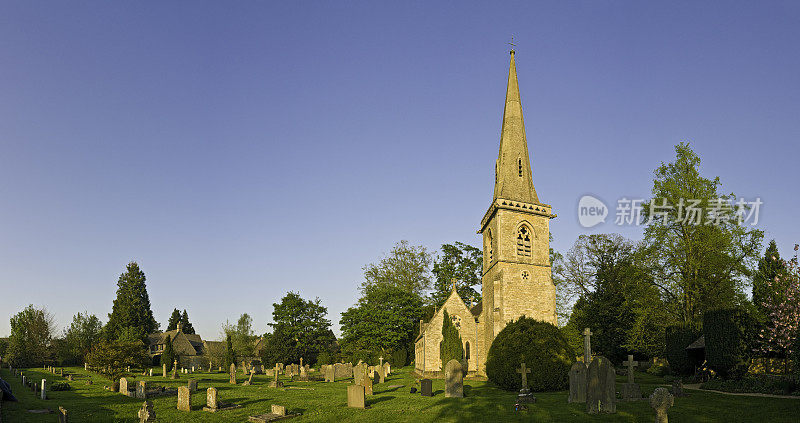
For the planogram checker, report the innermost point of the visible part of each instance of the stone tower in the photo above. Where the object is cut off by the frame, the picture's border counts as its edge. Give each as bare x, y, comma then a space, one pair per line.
516, 232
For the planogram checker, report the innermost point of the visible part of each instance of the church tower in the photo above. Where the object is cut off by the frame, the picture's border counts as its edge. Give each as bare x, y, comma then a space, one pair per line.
516, 233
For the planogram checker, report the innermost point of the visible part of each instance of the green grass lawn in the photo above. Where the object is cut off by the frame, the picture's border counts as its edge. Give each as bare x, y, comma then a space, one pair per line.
323, 402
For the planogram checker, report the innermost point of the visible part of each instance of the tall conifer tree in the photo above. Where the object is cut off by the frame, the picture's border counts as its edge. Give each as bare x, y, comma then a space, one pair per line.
451, 346
174, 318
131, 310
187, 326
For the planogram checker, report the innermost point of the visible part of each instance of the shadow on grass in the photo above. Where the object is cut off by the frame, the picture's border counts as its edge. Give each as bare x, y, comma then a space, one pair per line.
376, 400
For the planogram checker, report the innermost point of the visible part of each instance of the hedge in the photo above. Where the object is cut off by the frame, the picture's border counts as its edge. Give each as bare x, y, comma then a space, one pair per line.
729, 337
677, 338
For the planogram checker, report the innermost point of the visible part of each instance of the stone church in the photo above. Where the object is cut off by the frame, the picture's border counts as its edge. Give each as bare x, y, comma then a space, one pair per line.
516, 262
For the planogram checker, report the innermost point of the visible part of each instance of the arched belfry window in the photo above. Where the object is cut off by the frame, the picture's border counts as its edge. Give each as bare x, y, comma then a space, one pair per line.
489, 251
519, 166
524, 241
466, 351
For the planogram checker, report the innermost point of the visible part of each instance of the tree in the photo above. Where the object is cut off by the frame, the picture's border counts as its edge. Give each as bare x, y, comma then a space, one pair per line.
31, 332
463, 263
700, 252
383, 321
187, 326
407, 267
131, 310
451, 347
300, 329
168, 356
241, 335
81, 335
174, 318
113, 357
779, 337
230, 353
768, 284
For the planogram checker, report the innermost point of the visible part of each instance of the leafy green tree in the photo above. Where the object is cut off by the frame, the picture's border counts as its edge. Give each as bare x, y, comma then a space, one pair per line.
187, 325
81, 335
174, 318
451, 347
31, 332
242, 335
230, 353
406, 267
3, 346
463, 263
299, 329
383, 321
131, 310
697, 267
768, 285
113, 357
168, 356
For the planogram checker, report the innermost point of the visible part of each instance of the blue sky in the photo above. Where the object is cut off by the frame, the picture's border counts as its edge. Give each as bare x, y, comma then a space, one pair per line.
238, 150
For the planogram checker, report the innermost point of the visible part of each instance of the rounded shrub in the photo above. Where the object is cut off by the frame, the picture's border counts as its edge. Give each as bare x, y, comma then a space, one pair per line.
543, 349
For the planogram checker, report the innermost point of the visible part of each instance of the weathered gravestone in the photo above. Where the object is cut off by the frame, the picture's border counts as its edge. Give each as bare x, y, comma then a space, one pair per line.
577, 382
387, 369
146, 413
213, 404
44, 389
164, 370
330, 373
381, 374
355, 396
661, 400
232, 380
184, 399
454, 379
600, 389
192, 385
175, 369
630, 390
141, 390
278, 412
426, 387
367, 383
151, 372
123, 387
62, 415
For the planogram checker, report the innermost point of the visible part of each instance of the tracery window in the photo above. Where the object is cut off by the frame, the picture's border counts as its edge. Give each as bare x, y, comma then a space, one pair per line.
523, 241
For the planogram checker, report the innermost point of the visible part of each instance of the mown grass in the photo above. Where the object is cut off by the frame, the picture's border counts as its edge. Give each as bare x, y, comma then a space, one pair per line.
326, 402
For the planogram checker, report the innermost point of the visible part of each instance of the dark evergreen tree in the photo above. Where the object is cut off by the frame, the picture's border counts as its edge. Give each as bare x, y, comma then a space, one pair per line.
187, 326
168, 356
131, 311
451, 346
230, 354
768, 288
174, 318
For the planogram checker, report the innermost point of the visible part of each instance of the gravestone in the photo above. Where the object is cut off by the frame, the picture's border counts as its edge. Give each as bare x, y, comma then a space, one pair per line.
249, 380
276, 383
367, 383
454, 380
359, 373
44, 389
151, 372
387, 369
232, 380
661, 400
381, 374
70, 377
146, 413
577, 382
677, 388
330, 374
123, 386
164, 370
175, 369
631, 391
192, 385
600, 388
62, 415
376, 378
355, 396
212, 403
524, 395
86, 366
184, 399
523, 371
426, 386
587, 347
278, 412
141, 390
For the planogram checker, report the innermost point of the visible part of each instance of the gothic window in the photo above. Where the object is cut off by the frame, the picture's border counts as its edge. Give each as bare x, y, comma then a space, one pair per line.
489, 247
523, 241
466, 351
519, 166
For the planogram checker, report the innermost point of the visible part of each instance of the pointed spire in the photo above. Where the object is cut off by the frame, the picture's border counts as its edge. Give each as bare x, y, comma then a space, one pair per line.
513, 168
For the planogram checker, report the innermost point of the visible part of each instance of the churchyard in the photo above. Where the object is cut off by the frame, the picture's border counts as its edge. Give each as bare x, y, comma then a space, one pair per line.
392, 400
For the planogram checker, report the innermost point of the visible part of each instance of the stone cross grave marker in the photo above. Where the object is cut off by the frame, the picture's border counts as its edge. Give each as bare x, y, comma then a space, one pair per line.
631, 391
661, 400
146, 413
175, 369
276, 383
587, 347
630, 364
454, 379
524, 372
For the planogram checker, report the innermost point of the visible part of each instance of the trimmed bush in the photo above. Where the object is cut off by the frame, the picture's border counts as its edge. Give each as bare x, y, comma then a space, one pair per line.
543, 349
677, 338
451, 347
729, 339
399, 357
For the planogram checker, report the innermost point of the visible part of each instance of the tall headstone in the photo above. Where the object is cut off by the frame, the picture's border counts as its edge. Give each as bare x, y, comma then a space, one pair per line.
123, 386
86, 366
151, 372
211, 398
146, 413
381, 374
600, 389
232, 370
426, 387
175, 369
661, 400
141, 390
355, 396
454, 379
184, 399
44, 389
164, 370
367, 383
577, 382
630, 390
587, 347
330, 373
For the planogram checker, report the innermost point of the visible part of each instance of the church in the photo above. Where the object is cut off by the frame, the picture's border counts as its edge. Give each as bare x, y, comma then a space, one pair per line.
516, 262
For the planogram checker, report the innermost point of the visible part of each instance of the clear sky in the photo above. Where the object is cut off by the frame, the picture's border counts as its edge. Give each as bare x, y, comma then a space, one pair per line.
239, 150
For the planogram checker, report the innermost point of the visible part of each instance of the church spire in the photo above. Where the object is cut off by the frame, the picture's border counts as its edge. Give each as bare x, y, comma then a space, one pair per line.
513, 167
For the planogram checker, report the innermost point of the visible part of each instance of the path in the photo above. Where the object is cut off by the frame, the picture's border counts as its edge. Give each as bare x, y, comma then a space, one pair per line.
696, 386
